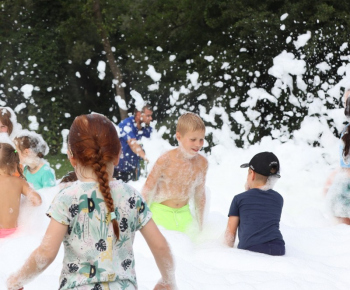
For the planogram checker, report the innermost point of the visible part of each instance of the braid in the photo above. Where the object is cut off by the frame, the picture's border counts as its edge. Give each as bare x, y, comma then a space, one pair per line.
94, 142
100, 169
20, 171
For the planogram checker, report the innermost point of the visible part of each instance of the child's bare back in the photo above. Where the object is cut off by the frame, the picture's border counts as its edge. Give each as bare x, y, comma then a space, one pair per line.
10, 197
175, 179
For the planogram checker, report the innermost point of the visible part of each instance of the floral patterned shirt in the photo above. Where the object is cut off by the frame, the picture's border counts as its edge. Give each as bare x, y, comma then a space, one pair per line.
92, 254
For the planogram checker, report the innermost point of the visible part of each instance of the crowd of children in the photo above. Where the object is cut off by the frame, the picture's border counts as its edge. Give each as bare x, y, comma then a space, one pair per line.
112, 211
14, 156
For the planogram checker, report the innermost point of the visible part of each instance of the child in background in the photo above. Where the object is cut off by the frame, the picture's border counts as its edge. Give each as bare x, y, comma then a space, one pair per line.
8, 122
11, 189
337, 186
96, 218
179, 176
257, 211
32, 148
69, 177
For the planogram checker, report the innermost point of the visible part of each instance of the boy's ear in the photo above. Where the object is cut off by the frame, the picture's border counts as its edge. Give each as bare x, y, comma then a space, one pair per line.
253, 175
178, 136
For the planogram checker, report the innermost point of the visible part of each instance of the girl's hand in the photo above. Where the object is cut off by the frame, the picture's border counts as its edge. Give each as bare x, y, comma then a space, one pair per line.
12, 283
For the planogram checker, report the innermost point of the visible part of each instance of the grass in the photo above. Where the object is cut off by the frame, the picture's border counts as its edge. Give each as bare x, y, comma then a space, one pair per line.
60, 164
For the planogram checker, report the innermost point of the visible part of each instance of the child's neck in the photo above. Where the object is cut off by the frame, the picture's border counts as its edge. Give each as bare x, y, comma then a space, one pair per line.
185, 155
34, 164
87, 174
3, 173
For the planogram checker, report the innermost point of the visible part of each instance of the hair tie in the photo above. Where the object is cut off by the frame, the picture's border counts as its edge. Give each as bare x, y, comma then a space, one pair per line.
113, 216
15, 151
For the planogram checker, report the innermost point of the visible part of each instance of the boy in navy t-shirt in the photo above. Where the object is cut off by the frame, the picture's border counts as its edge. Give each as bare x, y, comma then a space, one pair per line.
257, 211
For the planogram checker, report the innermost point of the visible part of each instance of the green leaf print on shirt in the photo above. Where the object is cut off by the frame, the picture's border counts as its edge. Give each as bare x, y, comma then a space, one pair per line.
140, 205
78, 230
122, 240
124, 284
88, 205
91, 271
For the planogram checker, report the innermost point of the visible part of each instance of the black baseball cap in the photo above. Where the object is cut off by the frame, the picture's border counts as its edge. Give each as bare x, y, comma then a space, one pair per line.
264, 163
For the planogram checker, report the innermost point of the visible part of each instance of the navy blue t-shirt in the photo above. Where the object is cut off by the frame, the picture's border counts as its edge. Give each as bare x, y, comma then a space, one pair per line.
259, 213
128, 130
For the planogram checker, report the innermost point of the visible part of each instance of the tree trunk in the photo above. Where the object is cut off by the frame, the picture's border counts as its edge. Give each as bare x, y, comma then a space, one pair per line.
110, 57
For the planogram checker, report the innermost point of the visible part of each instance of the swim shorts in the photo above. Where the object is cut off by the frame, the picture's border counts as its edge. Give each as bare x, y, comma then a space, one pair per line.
175, 219
6, 232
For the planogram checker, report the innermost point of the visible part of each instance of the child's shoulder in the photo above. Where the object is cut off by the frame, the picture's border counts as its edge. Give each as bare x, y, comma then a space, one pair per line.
15, 181
201, 162
166, 156
122, 189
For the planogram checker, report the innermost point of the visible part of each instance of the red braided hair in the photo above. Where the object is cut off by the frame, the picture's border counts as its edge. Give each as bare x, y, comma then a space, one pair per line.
94, 143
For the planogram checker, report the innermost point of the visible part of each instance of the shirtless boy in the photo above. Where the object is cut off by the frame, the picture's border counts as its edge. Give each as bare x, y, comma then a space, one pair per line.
11, 189
178, 176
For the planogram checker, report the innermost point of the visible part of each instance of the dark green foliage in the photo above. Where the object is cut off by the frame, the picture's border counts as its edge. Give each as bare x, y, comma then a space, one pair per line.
46, 44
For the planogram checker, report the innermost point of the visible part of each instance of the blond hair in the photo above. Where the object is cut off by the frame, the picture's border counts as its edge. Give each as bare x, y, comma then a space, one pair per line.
189, 122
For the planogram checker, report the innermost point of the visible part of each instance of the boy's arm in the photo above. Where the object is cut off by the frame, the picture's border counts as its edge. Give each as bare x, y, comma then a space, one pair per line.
200, 197
231, 229
41, 258
149, 189
162, 254
31, 194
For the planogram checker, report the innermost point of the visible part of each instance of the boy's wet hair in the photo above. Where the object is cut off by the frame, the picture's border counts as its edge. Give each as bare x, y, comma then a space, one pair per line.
189, 122
5, 119
94, 142
34, 142
9, 160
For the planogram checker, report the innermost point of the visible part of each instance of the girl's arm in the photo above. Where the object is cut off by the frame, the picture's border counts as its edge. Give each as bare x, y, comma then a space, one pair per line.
41, 258
162, 254
31, 194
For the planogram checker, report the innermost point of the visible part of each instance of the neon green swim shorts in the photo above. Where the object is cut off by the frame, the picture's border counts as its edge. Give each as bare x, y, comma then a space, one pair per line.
175, 219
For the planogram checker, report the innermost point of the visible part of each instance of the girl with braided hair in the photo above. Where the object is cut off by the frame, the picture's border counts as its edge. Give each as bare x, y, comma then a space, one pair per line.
97, 217
12, 188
